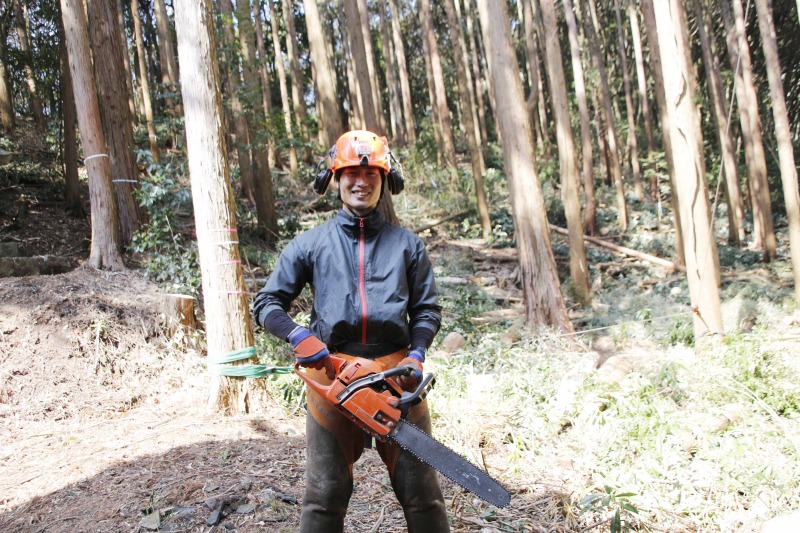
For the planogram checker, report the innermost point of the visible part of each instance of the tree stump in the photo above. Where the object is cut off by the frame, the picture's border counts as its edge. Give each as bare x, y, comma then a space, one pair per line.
179, 319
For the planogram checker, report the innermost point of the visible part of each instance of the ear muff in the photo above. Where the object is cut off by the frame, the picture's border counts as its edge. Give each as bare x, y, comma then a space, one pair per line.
395, 182
323, 177
394, 179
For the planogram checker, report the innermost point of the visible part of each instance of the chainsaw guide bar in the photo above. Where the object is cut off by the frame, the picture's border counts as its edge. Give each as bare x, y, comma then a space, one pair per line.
363, 392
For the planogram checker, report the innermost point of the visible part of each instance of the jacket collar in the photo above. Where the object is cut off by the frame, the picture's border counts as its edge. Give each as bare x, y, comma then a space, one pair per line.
373, 222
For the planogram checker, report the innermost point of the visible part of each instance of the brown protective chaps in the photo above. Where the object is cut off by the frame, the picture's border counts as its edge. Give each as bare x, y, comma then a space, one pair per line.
334, 444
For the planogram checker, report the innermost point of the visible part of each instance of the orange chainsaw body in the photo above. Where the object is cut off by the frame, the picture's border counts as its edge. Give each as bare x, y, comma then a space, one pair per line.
361, 392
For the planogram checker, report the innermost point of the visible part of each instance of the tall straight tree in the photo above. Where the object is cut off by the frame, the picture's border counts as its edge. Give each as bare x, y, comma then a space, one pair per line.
641, 78
126, 62
655, 59
330, 117
280, 68
227, 309
166, 51
544, 304
27, 55
590, 211
633, 147
256, 122
144, 83
7, 118
719, 115
477, 78
233, 85
298, 84
361, 72
750, 122
701, 260
470, 79
608, 118
395, 111
266, 92
532, 64
112, 97
475, 153
579, 270
366, 33
783, 135
402, 72
72, 189
105, 247
439, 104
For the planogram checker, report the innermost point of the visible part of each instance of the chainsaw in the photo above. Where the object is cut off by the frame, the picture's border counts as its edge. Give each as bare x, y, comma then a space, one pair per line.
362, 391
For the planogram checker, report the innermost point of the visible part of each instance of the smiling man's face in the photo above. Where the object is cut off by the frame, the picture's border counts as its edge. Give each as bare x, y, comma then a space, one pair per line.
360, 189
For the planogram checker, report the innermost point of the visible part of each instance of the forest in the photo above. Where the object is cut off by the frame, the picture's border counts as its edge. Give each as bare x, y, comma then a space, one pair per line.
607, 190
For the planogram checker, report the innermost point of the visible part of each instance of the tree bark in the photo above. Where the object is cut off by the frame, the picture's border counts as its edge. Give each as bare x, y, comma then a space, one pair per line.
262, 177
144, 83
783, 136
477, 79
233, 83
229, 326
579, 271
632, 144
641, 78
402, 73
590, 211
110, 76
750, 122
470, 79
716, 91
655, 58
298, 85
287, 109
440, 96
266, 94
166, 52
126, 62
330, 117
366, 33
72, 189
370, 120
475, 154
532, 63
544, 304
701, 264
105, 247
7, 118
27, 54
608, 118
395, 111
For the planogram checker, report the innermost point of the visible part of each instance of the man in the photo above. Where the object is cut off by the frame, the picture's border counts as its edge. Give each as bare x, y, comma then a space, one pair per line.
374, 297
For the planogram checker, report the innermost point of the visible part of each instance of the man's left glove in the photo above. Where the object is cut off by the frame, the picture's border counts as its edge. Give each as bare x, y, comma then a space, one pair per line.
415, 357
310, 352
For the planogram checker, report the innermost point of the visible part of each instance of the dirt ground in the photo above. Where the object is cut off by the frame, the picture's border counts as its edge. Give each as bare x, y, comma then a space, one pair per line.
104, 426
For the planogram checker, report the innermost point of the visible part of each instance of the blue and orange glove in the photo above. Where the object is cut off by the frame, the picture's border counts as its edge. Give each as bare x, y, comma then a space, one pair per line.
310, 352
415, 357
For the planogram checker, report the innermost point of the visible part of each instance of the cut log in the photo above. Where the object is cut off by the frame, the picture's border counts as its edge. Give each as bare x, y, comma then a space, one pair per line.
623, 250
435, 223
179, 315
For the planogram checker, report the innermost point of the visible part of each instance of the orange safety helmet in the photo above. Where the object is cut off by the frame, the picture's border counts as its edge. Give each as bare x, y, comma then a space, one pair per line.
359, 148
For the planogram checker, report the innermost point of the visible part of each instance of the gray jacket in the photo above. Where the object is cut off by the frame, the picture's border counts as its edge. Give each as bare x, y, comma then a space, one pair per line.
372, 282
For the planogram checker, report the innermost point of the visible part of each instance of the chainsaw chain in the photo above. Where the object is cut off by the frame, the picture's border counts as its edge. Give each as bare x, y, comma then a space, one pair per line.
429, 439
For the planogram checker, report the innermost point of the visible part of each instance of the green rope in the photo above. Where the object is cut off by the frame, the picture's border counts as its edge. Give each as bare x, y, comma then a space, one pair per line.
217, 365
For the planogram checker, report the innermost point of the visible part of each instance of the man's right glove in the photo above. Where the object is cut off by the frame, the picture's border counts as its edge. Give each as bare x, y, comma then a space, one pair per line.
310, 352
415, 357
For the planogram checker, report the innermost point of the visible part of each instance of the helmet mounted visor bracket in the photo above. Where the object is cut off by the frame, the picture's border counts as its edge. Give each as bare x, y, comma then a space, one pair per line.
359, 148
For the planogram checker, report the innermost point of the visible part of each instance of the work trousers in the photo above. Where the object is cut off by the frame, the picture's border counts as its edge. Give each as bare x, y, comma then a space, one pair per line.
334, 444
